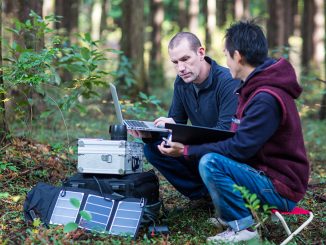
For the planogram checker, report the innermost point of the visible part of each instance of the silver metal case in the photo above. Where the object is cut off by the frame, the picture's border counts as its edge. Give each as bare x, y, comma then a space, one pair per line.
100, 156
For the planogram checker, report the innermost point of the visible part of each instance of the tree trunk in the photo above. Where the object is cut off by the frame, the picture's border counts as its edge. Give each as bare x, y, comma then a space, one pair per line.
322, 112
156, 72
182, 15
241, 9
132, 40
277, 34
21, 12
69, 22
221, 7
104, 13
3, 123
210, 23
308, 28
318, 35
193, 16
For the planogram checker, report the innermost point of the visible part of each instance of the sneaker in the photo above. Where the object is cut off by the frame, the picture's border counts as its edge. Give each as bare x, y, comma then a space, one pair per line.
218, 223
231, 236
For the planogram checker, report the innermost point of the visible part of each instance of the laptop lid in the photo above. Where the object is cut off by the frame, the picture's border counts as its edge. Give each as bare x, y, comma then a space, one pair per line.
116, 103
144, 125
193, 135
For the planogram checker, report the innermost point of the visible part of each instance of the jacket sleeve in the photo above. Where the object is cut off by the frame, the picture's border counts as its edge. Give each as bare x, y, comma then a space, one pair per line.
177, 110
261, 119
227, 102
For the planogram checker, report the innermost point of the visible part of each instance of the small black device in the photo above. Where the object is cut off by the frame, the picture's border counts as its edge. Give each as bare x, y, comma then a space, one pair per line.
166, 141
158, 230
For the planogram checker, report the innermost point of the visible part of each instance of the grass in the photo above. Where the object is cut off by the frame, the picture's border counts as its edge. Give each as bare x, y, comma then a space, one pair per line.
26, 162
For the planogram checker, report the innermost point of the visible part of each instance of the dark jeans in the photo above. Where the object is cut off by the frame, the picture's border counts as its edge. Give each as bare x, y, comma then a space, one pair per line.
182, 174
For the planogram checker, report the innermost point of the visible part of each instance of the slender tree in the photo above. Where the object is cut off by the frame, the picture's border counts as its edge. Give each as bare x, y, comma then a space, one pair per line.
104, 13
307, 33
156, 73
182, 15
221, 6
193, 16
21, 11
3, 125
132, 40
322, 112
69, 12
277, 34
241, 9
210, 22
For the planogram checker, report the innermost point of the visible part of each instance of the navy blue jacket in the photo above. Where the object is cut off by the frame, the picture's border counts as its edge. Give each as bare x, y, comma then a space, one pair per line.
213, 106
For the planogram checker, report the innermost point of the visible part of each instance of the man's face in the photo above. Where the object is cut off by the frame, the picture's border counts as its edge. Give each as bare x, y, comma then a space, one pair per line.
187, 62
232, 64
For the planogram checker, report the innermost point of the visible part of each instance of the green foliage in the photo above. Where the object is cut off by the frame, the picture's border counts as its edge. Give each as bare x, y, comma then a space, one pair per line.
71, 226
259, 212
35, 73
147, 106
7, 166
75, 202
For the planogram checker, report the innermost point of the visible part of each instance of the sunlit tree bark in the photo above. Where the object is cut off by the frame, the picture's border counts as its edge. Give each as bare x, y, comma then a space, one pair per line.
193, 16
210, 23
241, 9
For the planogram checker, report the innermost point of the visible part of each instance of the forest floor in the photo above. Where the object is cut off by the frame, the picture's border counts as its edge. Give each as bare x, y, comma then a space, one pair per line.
25, 163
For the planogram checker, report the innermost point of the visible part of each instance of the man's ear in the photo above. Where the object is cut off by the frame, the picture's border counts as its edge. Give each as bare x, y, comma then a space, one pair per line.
201, 52
238, 57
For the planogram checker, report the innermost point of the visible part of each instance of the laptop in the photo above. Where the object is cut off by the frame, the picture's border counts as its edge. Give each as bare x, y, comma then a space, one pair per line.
132, 124
194, 135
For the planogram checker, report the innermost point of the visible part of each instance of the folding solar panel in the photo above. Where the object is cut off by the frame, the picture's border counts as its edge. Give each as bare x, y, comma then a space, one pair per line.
126, 219
100, 210
64, 212
117, 217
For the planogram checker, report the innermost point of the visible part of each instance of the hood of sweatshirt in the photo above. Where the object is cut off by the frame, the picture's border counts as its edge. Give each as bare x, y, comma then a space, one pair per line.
280, 75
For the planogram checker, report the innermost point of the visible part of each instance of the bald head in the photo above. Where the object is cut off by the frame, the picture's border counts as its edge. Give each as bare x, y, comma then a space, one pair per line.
192, 39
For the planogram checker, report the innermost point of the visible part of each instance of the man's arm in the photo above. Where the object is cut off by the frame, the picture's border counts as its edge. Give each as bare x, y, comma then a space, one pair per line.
261, 120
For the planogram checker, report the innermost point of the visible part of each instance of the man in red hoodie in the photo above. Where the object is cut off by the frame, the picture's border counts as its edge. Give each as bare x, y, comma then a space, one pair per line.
267, 154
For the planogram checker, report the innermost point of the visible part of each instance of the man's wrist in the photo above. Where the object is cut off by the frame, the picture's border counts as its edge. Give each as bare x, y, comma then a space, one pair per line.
185, 151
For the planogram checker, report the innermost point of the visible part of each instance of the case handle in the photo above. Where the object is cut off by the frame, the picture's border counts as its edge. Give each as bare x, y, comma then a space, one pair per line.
107, 158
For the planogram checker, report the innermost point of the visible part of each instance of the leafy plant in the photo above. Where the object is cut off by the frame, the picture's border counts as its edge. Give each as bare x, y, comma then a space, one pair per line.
34, 73
147, 106
7, 166
260, 212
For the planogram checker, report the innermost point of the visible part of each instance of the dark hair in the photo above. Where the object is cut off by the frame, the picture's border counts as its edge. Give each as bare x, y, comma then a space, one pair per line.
249, 40
190, 37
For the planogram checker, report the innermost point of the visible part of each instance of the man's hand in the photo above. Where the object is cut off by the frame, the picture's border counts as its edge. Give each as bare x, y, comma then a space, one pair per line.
140, 134
160, 122
175, 149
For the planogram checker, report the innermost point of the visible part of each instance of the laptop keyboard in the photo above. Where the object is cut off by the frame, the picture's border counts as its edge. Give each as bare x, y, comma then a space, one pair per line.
136, 124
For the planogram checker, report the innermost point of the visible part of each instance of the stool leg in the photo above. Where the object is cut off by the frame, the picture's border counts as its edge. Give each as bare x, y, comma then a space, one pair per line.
300, 228
284, 224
